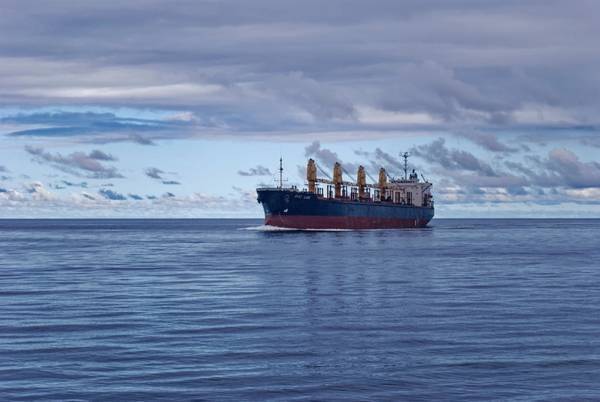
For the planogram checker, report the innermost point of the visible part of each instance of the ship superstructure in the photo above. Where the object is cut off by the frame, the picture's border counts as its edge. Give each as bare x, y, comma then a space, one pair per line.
334, 203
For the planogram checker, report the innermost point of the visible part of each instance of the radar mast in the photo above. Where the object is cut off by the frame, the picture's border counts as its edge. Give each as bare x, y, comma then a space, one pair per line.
405, 156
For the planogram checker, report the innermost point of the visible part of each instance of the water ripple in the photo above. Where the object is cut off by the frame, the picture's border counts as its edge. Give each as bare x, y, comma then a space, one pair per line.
143, 310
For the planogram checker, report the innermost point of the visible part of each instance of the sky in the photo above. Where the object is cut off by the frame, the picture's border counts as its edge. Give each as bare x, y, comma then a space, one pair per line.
182, 108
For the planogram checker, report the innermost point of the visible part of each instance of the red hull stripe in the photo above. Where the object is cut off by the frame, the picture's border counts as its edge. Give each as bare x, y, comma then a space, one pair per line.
341, 222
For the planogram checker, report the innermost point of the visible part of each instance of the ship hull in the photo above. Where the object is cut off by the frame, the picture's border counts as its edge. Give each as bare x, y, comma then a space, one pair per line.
301, 210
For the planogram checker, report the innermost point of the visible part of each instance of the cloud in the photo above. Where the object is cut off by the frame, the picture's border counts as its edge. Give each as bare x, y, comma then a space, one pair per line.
464, 169
562, 167
111, 195
258, 170
534, 178
154, 173
489, 142
389, 162
319, 100
77, 163
33, 200
296, 68
92, 126
322, 155
138, 139
3, 169
11, 196
82, 184
373, 161
101, 156
452, 159
158, 174
305, 71
38, 191
326, 159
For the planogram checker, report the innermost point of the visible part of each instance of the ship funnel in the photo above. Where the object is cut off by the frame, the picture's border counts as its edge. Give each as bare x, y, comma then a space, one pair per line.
382, 183
361, 179
337, 179
311, 176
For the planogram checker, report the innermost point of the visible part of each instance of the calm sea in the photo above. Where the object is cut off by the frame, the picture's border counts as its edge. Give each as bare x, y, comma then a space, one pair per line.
141, 310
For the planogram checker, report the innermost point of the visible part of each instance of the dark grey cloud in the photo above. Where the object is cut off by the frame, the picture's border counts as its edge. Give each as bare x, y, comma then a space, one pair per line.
158, 174
111, 195
101, 156
93, 127
77, 163
341, 66
323, 155
464, 169
326, 158
83, 184
518, 190
561, 168
452, 159
135, 197
519, 168
258, 170
391, 163
140, 140
489, 142
154, 173
3, 169
168, 195
373, 161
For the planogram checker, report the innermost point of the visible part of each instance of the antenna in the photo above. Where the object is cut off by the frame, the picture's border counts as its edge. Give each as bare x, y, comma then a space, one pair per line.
280, 172
405, 156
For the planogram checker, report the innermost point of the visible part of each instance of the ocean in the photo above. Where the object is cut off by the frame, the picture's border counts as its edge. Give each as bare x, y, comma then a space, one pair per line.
143, 310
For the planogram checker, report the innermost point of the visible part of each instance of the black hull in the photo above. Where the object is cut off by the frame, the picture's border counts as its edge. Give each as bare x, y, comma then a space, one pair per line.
302, 210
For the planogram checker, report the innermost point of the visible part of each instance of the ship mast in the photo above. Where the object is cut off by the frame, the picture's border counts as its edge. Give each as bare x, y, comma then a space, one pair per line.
405, 156
280, 172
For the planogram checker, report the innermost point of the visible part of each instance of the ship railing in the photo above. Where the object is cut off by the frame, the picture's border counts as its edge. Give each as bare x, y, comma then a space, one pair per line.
369, 197
292, 188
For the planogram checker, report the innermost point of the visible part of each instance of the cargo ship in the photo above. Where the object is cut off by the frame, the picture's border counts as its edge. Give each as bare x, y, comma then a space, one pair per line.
332, 203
